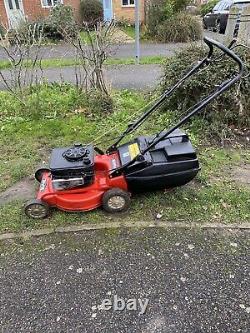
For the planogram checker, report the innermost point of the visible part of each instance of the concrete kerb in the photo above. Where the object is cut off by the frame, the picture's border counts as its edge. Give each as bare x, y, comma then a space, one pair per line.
116, 225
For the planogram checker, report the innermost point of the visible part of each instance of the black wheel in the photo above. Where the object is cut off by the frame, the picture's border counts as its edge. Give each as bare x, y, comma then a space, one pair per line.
39, 173
218, 27
36, 209
116, 200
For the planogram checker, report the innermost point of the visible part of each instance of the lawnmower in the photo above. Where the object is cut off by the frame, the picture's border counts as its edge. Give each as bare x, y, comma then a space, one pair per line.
83, 177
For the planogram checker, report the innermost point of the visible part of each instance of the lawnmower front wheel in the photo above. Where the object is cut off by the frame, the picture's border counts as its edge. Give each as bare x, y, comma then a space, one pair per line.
116, 200
36, 209
39, 173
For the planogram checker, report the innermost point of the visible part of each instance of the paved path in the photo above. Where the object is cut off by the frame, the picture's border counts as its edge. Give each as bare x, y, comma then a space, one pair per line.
119, 51
120, 76
196, 282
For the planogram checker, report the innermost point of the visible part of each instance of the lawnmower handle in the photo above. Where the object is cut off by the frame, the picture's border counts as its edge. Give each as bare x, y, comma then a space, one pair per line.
204, 62
211, 43
196, 108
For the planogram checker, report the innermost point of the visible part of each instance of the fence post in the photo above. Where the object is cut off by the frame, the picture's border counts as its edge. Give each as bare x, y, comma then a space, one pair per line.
231, 24
244, 29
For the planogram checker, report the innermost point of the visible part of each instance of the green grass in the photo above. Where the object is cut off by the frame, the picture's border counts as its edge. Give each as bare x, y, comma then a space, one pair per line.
61, 116
57, 63
130, 31
84, 36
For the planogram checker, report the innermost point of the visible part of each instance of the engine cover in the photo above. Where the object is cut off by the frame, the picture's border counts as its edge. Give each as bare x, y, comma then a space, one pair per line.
170, 163
72, 167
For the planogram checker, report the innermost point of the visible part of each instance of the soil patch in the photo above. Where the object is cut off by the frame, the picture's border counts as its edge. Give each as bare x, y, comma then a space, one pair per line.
25, 189
242, 175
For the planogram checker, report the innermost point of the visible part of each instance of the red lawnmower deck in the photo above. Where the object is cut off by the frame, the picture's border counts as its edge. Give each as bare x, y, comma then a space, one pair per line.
78, 179
83, 198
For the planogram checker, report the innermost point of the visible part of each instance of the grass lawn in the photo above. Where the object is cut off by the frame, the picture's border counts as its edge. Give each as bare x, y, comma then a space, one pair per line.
130, 31
59, 62
62, 116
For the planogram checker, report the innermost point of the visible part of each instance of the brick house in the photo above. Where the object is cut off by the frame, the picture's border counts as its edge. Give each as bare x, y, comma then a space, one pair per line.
13, 11
122, 10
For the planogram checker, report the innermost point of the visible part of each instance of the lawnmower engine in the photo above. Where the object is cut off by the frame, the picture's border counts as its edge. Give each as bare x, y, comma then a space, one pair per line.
72, 167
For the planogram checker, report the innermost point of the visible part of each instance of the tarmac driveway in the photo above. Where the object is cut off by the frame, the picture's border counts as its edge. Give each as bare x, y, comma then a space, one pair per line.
195, 282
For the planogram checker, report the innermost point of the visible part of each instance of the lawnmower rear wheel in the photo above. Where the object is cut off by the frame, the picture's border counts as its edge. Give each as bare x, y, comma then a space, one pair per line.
39, 173
116, 200
36, 209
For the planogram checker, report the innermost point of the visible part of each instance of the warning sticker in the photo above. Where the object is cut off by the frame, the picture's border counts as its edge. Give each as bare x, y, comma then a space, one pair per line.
133, 150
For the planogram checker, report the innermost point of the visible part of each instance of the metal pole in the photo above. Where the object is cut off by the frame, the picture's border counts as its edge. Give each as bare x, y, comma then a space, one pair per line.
137, 31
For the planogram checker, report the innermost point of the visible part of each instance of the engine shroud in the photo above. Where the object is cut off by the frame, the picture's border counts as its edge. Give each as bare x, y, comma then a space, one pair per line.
71, 170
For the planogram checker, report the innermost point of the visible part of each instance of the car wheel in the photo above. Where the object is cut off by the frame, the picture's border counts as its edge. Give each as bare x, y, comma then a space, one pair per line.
116, 200
36, 209
218, 27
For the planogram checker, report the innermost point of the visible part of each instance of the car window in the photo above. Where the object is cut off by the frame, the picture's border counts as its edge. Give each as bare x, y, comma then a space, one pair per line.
227, 5
216, 8
223, 5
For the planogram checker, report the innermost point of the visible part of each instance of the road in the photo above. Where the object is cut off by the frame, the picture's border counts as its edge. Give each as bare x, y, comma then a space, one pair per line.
195, 282
141, 77
118, 51
119, 76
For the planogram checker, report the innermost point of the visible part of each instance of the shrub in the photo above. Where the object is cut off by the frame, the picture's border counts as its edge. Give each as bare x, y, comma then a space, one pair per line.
166, 21
60, 23
180, 5
2, 31
91, 11
99, 103
157, 12
207, 7
27, 33
230, 109
181, 27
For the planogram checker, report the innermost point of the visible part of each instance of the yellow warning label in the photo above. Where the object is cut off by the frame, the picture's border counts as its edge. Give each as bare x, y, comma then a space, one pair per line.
133, 150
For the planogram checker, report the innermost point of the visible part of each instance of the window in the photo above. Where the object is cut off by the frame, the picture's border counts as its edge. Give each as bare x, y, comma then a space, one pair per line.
10, 4
51, 3
129, 3
223, 5
17, 4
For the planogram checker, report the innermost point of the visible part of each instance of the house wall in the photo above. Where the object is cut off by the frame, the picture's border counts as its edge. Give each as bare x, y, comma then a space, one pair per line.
125, 13
3, 15
33, 10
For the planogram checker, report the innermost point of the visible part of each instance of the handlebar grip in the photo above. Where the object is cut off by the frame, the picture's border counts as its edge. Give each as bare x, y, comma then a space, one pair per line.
211, 43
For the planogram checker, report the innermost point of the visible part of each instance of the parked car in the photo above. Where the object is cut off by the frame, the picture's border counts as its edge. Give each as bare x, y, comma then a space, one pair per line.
217, 18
